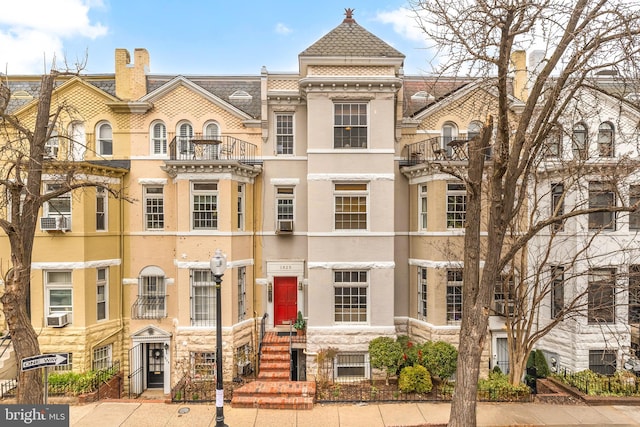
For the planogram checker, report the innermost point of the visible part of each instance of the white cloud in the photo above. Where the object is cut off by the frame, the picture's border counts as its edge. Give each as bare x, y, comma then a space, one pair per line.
404, 23
282, 29
33, 31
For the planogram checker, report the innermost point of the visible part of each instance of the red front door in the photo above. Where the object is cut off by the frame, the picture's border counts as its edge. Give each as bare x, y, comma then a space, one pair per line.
285, 299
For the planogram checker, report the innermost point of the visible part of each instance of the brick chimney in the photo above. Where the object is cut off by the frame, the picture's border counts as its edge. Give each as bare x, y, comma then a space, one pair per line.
131, 81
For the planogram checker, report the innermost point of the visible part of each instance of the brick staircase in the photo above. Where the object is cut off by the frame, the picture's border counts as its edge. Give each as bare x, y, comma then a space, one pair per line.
272, 389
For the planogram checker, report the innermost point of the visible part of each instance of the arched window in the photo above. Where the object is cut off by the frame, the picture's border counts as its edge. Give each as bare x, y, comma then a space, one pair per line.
212, 130
474, 129
449, 133
580, 141
158, 138
104, 144
605, 139
553, 143
185, 136
151, 294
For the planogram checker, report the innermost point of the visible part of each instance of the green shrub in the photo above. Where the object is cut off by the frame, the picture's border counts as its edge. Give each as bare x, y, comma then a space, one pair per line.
386, 354
440, 358
536, 359
498, 387
415, 379
411, 352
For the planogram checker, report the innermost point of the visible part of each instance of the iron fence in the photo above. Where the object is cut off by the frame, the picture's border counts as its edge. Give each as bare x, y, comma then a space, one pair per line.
622, 383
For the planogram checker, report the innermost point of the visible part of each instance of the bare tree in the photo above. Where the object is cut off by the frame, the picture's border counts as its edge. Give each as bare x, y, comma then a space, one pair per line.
22, 167
479, 38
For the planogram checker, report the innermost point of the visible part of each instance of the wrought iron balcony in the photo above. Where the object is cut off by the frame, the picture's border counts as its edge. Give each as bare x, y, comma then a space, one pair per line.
149, 307
212, 148
438, 149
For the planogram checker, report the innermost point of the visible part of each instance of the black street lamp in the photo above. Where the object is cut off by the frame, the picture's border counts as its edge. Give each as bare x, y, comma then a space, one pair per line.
218, 265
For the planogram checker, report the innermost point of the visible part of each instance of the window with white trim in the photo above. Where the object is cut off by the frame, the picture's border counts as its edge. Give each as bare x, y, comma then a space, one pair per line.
152, 294
242, 293
580, 141
350, 125
159, 138
350, 296
454, 296
601, 296
185, 138
422, 293
634, 217
553, 143
634, 294
204, 364
241, 198
350, 366
102, 203
601, 195
284, 133
422, 207
203, 298
58, 207
153, 207
102, 357
456, 205
557, 290
557, 205
102, 293
605, 139
284, 208
52, 146
204, 207
105, 139
449, 133
351, 201
58, 291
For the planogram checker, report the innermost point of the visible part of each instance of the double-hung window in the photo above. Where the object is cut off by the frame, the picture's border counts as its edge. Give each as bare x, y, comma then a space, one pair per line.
153, 207
204, 364
580, 142
204, 208
350, 125
503, 295
102, 201
152, 295
284, 209
601, 195
242, 293
284, 133
59, 292
185, 138
601, 300
454, 296
634, 217
603, 361
102, 290
350, 296
557, 205
351, 206
422, 203
557, 290
422, 293
553, 143
605, 140
456, 205
241, 198
203, 298
58, 209
51, 146
634, 294
105, 139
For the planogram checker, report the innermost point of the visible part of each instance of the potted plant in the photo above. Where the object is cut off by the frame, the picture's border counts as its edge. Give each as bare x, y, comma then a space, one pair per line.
300, 324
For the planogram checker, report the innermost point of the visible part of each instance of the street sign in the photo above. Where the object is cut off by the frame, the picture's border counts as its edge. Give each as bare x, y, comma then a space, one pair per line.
43, 360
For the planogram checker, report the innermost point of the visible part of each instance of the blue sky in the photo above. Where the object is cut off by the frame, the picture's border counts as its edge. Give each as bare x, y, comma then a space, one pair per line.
192, 37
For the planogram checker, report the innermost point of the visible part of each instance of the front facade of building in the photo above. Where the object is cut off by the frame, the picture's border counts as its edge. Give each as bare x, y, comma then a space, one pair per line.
319, 186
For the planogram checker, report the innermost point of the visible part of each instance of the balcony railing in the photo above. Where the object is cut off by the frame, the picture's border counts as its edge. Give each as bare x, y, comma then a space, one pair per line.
436, 149
147, 307
214, 148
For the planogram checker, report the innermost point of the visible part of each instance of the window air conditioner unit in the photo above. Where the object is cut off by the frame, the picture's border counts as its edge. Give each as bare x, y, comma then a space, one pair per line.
55, 223
244, 369
285, 226
503, 308
57, 320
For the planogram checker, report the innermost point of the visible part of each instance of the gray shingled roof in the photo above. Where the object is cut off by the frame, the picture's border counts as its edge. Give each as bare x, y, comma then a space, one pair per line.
223, 88
350, 39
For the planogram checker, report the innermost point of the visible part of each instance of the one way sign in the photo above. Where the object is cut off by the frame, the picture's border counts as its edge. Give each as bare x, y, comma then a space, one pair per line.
42, 360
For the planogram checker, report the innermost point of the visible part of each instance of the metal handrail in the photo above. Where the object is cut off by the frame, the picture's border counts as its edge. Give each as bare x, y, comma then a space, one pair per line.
263, 330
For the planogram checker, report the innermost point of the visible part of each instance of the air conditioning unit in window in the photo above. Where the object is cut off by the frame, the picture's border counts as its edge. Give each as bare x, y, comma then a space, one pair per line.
57, 320
503, 308
50, 223
285, 226
244, 368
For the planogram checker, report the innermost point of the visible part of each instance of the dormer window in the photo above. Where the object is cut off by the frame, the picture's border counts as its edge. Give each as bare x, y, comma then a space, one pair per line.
241, 95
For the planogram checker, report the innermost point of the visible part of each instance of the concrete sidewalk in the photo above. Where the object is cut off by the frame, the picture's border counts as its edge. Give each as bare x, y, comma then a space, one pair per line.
113, 413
